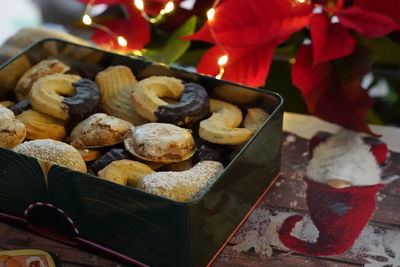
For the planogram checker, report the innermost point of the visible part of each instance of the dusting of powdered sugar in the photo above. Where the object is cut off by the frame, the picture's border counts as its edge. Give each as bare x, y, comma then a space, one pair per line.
52, 151
344, 156
185, 185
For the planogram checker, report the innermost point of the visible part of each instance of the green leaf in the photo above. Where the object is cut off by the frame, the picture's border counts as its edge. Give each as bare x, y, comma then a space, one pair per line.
174, 47
385, 51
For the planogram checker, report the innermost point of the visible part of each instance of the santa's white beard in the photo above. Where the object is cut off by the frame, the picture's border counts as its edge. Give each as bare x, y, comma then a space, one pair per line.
344, 156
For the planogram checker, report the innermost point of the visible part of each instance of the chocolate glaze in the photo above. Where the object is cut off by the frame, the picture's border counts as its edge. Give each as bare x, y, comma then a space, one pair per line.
112, 155
209, 151
192, 107
84, 102
21, 106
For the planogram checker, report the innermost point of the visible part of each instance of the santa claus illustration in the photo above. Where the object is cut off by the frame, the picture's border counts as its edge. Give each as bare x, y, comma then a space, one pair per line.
343, 179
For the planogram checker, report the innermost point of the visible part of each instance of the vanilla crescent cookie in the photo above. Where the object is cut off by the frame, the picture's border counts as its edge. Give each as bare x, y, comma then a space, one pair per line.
147, 94
125, 172
65, 96
42, 126
160, 142
221, 127
254, 118
12, 131
115, 84
41, 69
182, 186
99, 130
52, 151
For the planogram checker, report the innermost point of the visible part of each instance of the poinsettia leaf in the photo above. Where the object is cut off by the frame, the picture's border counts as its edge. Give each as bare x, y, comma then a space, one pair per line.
253, 23
174, 46
245, 66
386, 7
135, 30
330, 40
332, 90
368, 23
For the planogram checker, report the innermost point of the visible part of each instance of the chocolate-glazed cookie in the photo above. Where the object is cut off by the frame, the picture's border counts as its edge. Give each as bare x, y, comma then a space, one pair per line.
192, 107
84, 102
65, 96
21, 106
209, 151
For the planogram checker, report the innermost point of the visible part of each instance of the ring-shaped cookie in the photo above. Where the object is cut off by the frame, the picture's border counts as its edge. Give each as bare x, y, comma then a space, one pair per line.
192, 107
160, 142
221, 127
41, 69
147, 94
65, 96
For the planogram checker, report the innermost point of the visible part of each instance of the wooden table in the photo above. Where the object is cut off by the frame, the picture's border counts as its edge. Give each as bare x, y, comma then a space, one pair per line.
257, 243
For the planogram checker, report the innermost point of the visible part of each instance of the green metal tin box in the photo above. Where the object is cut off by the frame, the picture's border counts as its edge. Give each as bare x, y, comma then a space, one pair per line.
80, 208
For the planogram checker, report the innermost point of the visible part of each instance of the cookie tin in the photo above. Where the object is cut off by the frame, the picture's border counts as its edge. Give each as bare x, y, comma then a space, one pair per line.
141, 228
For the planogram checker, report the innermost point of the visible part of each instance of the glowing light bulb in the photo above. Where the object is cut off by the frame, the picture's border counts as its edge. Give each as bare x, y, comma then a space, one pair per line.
169, 7
301, 1
122, 41
86, 19
223, 60
211, 14
139, 4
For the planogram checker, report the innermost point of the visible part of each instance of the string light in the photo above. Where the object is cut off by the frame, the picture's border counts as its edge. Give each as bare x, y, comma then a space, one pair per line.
87, 20
122, 41
168, 8
223, 60
211, 14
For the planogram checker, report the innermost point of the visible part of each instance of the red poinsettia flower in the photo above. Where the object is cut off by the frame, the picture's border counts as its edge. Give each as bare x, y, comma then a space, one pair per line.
248, 31
134, 28
332, 92
331, 21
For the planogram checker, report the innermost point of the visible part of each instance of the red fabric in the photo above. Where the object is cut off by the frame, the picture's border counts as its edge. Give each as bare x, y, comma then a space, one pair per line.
380, 152
338, 227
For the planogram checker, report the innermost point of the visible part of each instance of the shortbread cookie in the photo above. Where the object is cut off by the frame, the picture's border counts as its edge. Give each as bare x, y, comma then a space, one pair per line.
41, 69
192, 107
182, 186
10, 74
65, 96
147, 94
116, 84
55, 152
89, 154
42, 126
12, 131
99, 130
126, 172
160, 142
221, 127
255, 117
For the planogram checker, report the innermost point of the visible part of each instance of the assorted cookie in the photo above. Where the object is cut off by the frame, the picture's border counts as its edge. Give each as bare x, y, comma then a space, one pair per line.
160, 142
160, 134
